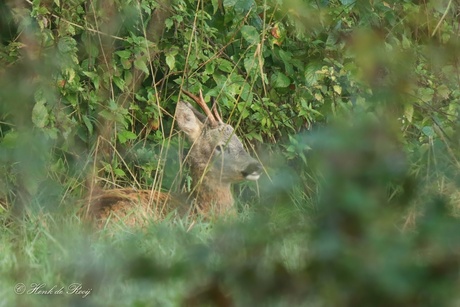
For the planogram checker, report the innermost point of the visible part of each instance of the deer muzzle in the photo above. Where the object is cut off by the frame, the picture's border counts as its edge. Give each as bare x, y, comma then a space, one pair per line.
252, 171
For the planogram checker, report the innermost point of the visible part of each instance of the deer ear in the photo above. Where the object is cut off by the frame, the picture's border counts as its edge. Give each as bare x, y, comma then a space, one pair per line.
188, 121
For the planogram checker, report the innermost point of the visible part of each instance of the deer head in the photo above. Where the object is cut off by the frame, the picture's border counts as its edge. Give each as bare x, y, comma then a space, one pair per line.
217, 157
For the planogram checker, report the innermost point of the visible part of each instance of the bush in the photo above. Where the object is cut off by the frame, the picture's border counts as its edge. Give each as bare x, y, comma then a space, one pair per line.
352, 108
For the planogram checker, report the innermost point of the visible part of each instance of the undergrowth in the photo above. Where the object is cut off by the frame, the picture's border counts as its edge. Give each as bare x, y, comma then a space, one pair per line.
352, 107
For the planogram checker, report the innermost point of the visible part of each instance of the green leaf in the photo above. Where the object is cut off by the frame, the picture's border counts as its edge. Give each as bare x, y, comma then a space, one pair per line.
169, 23
347, 2
278, 79
10, 140
409, 112
255, 136
119, 82
40, 115
209, 69
230, 3
406, 44
428, 131
106, 114
170, 61
116, 115
337, 89
126, 135
171, 57
311, 77
250, 63
94, 77
286, 56
88, 124
124, 54
225, 66
52, 133
126, 64
119, 172
215, 5
67, 44
426, 94
140, 64
443, 91
239, 5
250, 34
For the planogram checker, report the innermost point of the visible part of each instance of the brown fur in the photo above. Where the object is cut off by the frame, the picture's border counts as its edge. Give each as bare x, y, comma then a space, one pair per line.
132, 207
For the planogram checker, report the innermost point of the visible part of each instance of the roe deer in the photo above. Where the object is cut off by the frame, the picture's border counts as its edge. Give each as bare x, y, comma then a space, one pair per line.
217, 159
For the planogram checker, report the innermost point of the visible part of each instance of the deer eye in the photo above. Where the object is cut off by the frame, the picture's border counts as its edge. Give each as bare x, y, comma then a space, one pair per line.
219, 149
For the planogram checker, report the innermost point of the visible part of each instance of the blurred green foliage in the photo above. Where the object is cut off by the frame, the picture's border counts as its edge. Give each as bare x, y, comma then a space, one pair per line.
352, 106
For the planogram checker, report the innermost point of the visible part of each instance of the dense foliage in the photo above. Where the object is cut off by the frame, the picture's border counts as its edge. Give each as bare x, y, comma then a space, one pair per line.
351, 106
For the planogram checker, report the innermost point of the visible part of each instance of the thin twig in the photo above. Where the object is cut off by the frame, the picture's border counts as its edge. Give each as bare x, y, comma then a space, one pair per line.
442, 18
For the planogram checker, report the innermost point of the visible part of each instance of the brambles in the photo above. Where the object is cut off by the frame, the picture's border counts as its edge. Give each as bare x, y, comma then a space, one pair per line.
351, 106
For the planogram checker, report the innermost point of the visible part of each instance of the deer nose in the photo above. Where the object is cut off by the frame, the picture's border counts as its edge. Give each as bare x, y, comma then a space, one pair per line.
252, 171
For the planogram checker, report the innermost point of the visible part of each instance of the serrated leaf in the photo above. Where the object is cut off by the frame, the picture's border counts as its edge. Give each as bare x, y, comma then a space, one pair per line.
311, 76
128, 77
428, 131
140, 64
66, 44
126, 64
286, 56
409, 112
331, 41
239, 5
70, 74
319, 97
250, 34
90, 74
225, 66
250, 63
10, 140
406, 44
40, 115
106, 114
117, 115
119, 172
169, 23
209, 69
124, 54
443, 91
170, 61
119, 82
52, 133
256, 136
337, 89
280, 80
347, 2
426, 94
126, 135
215, 5
88, 124
94, 77
230, 3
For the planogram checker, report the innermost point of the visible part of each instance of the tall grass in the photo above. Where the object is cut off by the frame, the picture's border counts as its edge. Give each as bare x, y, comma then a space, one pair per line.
359, 203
